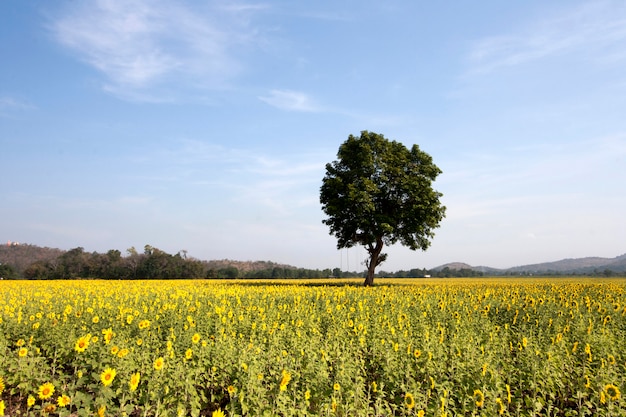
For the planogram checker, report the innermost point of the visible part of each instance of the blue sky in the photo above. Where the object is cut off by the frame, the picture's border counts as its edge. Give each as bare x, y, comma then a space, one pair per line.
206, 125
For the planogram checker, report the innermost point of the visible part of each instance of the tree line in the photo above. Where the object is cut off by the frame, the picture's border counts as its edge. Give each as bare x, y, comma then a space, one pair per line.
152, 263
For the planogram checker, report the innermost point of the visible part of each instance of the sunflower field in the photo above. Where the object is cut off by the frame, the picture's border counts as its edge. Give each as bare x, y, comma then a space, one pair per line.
411, 347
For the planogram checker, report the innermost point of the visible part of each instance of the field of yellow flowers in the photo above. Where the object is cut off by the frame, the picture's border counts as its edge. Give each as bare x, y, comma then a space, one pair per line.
457, 347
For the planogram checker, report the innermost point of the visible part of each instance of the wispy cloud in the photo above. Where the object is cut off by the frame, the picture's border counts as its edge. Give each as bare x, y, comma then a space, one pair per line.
141, 45
243, 174
291, 100
589, 29
10, 104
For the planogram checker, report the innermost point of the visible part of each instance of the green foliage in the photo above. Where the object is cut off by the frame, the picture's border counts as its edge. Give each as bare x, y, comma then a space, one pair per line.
379, 193
7, 272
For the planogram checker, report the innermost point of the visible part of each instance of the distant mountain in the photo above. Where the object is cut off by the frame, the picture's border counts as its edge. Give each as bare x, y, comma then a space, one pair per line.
576, 265
564, 266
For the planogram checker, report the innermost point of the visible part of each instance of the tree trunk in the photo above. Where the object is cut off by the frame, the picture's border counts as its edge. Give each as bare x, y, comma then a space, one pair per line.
374, 252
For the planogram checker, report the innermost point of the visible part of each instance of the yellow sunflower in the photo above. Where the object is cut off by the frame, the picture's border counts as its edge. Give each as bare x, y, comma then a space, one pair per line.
82, 343
409, 401
218, 413
2, 386
134, 381
107, 376
285, 380
159, 363
612, 392
195, 338
22, 352
46, 391
479, 398
63, 400
108, 335
500, 405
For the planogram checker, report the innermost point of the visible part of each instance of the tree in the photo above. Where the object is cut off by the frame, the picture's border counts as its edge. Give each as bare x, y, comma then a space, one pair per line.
379, 193
7, 272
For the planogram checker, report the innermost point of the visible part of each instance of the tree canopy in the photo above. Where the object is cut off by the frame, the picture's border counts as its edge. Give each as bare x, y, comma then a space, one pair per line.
378, 192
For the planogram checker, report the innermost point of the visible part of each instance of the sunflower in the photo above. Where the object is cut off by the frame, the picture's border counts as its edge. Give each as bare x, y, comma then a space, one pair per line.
63, 400
134, 381
285, 380
479, 398
612, 392
22, 352
2, 407
231, 390
188, 354
409, 401
195, 338
2, 386
107, 376
46, 391
158, 363
421, 413
82, 343
108, 335
336, 386
218, 413
30, 401
500, 405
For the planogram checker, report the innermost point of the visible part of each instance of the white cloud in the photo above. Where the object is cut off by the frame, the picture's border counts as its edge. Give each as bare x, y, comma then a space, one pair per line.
290, 100
594, 31
9, 104
143, 44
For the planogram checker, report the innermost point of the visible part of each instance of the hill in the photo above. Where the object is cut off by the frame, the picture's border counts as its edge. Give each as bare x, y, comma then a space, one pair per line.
587, 265
20, 256
245, 266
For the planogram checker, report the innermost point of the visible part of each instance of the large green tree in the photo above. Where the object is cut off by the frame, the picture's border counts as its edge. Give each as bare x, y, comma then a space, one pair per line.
378, 192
